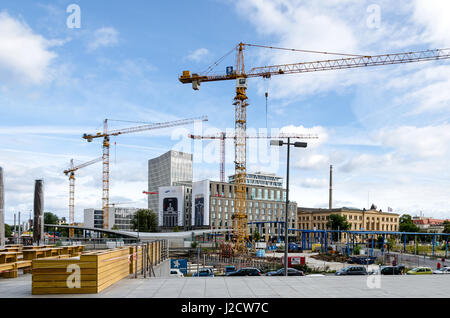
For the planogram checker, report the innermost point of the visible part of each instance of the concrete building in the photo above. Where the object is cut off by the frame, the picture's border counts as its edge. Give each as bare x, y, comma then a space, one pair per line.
360, 220
174, 206
120, 218
264, 204
429, 224
167, 170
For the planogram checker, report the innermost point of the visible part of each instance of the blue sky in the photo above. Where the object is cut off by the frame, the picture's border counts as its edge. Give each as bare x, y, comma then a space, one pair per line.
384, 129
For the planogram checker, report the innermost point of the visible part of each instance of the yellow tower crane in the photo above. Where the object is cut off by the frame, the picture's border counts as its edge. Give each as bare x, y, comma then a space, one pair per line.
116, 132
71, 173
239, 74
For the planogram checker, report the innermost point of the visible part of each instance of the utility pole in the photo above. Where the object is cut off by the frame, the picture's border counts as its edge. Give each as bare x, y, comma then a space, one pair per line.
330, 203
286, 239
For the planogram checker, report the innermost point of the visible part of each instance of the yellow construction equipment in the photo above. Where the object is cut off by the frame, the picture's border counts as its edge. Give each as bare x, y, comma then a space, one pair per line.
240, 235
71, 173
116, 132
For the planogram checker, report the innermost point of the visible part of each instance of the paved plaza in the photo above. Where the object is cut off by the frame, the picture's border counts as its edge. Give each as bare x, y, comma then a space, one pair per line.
257, 287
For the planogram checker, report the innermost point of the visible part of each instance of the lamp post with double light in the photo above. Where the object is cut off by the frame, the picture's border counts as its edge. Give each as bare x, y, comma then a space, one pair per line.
286, 240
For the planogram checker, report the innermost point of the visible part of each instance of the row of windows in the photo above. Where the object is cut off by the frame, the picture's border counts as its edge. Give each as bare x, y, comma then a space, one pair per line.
249, 212
353, 226
350, 217
220, 223
256, 193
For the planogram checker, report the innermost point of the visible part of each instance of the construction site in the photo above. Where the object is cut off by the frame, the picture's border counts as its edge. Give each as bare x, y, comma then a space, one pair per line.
208, 227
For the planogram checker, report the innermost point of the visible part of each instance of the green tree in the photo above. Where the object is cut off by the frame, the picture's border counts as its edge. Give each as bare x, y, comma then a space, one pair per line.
50, 218
446, 227
256, 236
8, 230
115, 227
145, 221
406, 224
337, 222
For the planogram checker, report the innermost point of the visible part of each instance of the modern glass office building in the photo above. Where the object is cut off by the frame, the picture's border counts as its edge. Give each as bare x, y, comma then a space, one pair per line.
167, 170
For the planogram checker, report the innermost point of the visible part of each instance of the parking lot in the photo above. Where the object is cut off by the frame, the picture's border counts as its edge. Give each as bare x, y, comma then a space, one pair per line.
259, 287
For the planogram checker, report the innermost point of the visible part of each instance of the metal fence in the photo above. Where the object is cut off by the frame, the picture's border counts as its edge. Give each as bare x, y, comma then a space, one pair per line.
219, 262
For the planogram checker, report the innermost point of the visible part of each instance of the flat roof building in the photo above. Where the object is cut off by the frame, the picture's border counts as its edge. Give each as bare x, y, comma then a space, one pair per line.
167, 170
119, 218
264, 204
261, 179
359, 220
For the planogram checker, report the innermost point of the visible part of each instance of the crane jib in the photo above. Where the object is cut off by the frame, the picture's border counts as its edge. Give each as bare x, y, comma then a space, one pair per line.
325, 65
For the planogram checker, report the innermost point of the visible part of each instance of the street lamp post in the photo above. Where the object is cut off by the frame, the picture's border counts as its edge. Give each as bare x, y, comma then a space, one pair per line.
286, 240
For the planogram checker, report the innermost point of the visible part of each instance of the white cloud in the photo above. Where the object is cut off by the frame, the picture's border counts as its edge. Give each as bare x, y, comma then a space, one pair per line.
198, 54
311, 161
314, 183
104, 37
433, 16
420, 142
24, 55
316, 131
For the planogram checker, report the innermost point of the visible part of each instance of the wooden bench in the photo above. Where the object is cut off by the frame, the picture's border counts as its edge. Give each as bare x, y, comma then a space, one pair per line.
8, 270
25, 265
8, 257
34, 254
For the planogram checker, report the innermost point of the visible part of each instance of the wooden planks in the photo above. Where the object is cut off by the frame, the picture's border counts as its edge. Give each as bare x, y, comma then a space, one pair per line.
97, 271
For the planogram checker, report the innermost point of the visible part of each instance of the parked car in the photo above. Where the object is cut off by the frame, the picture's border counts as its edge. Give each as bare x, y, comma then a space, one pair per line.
229, 269
291, 272
175, 273
204, 272
389, 270
422, 270
443, 270
363, 260
248, 271
352, 270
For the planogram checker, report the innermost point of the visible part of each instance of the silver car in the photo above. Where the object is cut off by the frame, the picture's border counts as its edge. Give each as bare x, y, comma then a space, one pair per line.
443, 270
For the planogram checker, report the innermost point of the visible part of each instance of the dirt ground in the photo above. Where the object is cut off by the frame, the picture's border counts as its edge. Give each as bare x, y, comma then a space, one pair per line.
319, 264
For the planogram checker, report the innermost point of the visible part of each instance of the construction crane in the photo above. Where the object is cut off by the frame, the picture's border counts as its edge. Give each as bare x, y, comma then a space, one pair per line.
71, 173
116, 132
121, 203
222, 136
240, 234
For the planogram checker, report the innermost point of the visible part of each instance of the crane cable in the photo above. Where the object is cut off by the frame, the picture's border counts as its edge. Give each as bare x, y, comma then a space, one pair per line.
303, 51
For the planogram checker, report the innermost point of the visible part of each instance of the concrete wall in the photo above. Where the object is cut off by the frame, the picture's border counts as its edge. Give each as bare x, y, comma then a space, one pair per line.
163, 269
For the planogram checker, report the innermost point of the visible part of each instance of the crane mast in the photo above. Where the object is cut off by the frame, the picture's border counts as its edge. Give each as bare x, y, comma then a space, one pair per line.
240, 234
239, 218
71, 173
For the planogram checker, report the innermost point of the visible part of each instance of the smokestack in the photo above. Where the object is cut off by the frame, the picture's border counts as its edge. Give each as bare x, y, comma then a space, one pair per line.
38, 224
20, 232
330, 202
2, 210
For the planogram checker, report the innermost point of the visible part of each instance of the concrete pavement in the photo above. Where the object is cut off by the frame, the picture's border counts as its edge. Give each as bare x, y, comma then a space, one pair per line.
256, 287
